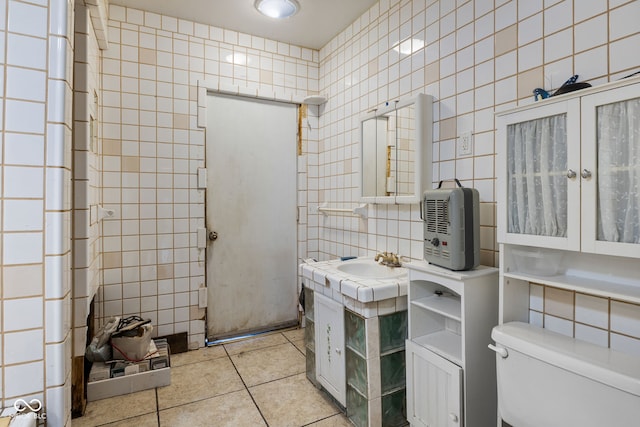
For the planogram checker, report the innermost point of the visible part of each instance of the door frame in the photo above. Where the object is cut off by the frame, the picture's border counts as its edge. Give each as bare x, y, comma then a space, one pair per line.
206, 89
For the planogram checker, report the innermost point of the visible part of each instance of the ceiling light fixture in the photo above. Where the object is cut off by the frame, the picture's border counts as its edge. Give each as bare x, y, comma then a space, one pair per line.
237, 58
408, 46
278, 9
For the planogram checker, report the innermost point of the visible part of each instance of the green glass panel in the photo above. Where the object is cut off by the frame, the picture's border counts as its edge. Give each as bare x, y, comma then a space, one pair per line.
356, 371
392, 371
310, 335
393, 331
357, 408
308, 303
394, 409
311, 366
355, 332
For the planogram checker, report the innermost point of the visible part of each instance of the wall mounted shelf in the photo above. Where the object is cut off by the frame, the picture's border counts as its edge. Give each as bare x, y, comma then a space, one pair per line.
358, 211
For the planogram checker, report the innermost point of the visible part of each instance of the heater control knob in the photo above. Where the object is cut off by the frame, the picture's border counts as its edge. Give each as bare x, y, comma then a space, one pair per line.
435, 242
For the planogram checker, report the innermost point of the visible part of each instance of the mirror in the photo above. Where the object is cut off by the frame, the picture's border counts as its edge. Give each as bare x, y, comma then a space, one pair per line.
396, 152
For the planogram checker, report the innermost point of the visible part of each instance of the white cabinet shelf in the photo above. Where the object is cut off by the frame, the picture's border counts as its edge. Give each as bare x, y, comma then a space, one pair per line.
446, 305
451, 314
586, 283
444, 343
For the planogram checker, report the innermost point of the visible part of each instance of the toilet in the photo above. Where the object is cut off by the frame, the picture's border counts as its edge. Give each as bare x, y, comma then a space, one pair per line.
546, 379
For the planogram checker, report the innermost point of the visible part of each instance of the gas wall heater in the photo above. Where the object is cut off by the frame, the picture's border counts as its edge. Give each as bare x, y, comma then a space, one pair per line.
451, 227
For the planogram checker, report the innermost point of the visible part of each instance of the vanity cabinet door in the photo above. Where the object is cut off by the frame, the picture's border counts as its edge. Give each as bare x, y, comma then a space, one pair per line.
330, 354
434, 389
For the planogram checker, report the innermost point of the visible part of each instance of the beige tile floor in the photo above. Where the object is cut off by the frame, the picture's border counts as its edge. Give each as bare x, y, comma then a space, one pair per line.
255, 382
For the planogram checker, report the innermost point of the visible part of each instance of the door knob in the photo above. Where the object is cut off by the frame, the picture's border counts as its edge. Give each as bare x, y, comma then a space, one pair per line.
586, 174
571, 174
213, 235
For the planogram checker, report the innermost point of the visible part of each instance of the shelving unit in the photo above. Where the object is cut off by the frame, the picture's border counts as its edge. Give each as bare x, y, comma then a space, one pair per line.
451, 314
587, 259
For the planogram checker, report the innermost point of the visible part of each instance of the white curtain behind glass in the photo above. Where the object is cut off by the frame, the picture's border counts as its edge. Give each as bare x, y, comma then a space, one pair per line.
537, 182
618, 171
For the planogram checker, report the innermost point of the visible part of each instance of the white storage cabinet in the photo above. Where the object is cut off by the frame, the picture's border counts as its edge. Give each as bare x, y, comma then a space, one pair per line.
569, 198
569, 172
450, 370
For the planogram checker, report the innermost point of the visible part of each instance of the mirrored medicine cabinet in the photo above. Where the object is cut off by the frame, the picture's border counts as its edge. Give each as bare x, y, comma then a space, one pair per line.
396, 150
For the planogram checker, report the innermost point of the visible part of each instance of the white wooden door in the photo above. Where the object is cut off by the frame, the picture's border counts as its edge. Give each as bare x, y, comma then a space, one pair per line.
251, 203
330, 354
434, 389
611, 164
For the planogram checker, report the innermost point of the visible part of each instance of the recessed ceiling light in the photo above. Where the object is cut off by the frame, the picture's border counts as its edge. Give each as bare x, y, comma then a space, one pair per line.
408, 46
279, 9
237, 58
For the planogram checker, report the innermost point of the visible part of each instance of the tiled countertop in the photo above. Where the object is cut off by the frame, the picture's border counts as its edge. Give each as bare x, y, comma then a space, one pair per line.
325, 273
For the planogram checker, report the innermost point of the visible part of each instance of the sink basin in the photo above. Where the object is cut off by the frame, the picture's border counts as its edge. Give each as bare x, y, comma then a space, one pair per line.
368, 269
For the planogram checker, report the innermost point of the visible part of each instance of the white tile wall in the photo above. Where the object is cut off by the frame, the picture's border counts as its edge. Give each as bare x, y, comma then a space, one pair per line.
596, 319
36, 106
478, 55
357, 70
152, 149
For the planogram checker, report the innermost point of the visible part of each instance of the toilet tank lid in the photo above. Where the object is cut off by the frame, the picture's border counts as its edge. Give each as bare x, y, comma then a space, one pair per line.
610, 367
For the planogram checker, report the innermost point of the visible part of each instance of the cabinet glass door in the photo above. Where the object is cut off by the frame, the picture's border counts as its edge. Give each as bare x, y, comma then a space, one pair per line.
611, 172
540, 149
536, 171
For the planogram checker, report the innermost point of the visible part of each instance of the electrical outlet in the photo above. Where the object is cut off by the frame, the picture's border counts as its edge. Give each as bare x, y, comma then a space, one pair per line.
465, 144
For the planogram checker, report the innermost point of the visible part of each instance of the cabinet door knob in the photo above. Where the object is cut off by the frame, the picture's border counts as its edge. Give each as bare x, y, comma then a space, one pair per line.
571, 174
453, 417
586, 174
338, 351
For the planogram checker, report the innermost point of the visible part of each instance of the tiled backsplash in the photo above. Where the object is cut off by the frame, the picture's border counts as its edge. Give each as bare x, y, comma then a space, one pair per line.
602, 321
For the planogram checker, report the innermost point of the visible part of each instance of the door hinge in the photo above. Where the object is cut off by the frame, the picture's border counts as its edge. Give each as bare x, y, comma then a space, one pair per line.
202, 297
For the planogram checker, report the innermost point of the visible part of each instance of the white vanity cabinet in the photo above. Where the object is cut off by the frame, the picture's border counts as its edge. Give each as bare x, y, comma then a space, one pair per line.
450, 371
330, 354
569, 171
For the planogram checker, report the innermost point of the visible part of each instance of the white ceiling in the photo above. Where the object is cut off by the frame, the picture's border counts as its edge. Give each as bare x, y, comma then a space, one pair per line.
317, 22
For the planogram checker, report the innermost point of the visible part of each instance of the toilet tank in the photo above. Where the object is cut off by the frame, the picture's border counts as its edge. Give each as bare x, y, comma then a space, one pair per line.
546, 379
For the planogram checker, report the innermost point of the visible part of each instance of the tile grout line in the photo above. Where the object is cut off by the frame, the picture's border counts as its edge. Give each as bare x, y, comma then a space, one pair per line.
157, 407
246, 388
